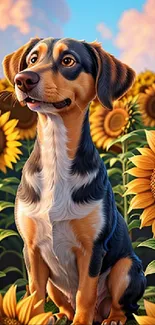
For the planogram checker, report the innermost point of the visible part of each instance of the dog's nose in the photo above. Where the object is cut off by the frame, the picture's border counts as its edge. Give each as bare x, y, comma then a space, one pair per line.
26, 80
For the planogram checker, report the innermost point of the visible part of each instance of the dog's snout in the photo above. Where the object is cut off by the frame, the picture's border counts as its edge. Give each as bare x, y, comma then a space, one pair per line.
26, 80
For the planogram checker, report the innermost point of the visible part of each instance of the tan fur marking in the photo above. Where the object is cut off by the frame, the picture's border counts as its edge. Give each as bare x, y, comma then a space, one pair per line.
42, 118
38, 276
85, 233
60, 301
59, 48
118, 282
87, 290
85, 230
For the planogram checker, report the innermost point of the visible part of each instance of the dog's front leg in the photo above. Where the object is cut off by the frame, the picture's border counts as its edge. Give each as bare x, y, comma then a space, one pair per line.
38, 274
87, 290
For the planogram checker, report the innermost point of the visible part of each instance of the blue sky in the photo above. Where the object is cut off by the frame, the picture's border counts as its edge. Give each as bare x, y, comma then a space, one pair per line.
124, 27
86, 14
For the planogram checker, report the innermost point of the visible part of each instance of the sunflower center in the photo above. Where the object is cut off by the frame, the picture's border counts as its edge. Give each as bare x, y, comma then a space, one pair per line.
115, 121
2, 141
150, 108
26, 117
9, 321
153, 183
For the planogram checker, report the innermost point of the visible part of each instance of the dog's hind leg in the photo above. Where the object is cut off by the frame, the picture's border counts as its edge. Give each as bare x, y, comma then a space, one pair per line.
60, 301
126, 285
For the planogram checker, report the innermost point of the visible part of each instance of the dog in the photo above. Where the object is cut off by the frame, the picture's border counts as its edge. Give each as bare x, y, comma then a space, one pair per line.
76, 243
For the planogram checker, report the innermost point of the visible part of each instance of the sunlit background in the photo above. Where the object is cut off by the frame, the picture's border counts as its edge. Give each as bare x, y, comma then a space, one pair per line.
125, 28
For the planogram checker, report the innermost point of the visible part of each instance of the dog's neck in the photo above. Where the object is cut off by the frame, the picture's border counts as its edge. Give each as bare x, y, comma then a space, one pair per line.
73, 122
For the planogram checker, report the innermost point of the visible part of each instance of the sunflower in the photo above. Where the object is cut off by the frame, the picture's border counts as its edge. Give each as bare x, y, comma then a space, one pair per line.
22, 313
144, 185
106, 126
150, 311
9, 151
147, 106
143, 81
27, 120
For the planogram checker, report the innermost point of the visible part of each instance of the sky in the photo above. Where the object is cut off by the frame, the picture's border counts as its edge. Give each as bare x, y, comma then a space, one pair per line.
126, 28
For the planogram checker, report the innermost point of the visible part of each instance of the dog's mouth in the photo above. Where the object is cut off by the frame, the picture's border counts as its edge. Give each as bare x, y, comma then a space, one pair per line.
34, 103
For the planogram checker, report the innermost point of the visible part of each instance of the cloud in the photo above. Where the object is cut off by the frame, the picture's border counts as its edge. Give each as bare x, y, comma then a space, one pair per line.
104, 31
136, 37
22, 19
15, 13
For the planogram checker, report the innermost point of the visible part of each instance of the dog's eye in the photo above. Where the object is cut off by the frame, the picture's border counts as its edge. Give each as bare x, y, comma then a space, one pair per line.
33, 58
68, 61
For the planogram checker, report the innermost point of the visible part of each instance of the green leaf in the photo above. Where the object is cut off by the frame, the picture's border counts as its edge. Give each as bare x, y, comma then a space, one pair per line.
19, 165
118, 189
7, 233
134, 224
150, 243
20, 282
113, 171
9, 180
149, 292
2, 274
5, 205
113, 161
12, 269
8, 189
150, 268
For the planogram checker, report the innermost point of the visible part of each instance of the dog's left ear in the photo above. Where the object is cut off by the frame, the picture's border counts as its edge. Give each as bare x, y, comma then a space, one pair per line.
15, 62
113, 77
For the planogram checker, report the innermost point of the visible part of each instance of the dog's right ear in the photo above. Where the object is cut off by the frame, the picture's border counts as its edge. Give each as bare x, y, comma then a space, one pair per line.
16, 61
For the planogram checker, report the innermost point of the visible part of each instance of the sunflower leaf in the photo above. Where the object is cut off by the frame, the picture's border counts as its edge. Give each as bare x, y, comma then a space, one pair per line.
12, 269
119, 189
150, 268
8, 189
7, 233
150, 243
2, 274
9, 180
134, 224
5, 205
113, 171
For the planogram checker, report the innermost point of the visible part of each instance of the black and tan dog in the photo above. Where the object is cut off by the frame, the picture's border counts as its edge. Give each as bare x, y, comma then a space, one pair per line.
76, 242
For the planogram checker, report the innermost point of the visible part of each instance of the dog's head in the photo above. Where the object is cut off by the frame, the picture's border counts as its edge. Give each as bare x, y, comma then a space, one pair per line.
53, 75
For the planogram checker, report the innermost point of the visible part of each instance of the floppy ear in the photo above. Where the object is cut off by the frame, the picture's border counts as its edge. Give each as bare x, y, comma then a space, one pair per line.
16, 61
113, 78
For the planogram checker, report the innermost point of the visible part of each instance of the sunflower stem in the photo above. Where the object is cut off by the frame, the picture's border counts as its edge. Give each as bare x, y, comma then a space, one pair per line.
124, 167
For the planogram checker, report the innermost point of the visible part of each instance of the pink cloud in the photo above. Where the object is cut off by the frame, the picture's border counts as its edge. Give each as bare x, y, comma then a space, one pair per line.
15, 13
136, 37
104, 31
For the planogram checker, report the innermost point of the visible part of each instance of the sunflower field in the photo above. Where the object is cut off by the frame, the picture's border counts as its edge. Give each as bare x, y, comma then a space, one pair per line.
125, 139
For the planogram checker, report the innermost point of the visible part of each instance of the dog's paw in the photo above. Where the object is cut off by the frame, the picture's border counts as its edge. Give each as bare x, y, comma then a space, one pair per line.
112, 322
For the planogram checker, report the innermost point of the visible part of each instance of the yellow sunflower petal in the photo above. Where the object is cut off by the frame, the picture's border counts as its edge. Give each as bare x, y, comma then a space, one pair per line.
147, 152
96, 130
150, 135
148, 216
150, 308
144, 320
141, 201
98, 135
10, 124
13, 136
12, 144
8, 163
138, 186
10, 158
143, 162
138, 172
4, 118
41, 319
24, 308
9, 302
